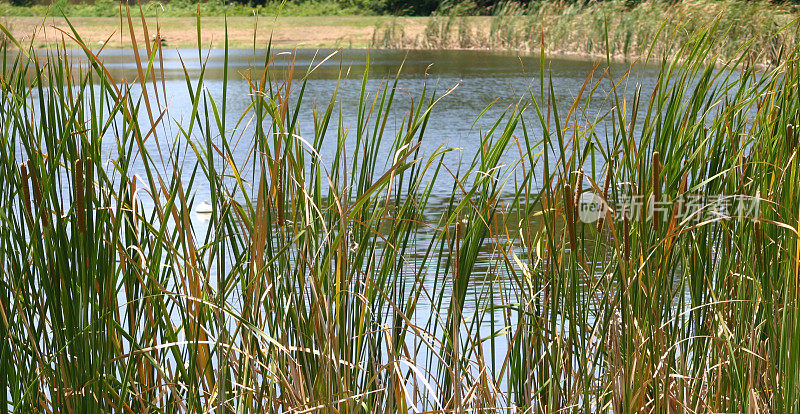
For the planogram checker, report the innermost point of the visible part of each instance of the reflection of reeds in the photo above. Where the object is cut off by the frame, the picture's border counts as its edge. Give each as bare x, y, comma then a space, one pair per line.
342, 285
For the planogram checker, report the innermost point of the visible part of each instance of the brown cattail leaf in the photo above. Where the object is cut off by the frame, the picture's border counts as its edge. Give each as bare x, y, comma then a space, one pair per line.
134, 212
790, 137
279, 191
626, 235
570, 213
80, 209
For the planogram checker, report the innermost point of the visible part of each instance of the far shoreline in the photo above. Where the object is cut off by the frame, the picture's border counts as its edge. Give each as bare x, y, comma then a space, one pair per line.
375, 33
337, 32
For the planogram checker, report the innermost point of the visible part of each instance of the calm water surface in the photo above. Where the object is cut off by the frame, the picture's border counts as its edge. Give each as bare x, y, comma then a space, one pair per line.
478, 79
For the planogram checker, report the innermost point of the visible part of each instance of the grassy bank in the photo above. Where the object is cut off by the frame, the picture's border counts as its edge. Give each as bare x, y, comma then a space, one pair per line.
322, 286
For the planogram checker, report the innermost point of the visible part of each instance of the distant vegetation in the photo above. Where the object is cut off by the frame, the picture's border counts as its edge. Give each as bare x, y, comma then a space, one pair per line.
110, 8
182, 8
614, 28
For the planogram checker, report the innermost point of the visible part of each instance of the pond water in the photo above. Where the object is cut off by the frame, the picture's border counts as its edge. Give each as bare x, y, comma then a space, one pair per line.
477, 80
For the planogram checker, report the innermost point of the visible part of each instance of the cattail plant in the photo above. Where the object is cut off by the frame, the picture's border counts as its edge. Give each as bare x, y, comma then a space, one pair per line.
80, 208
26, 195
578, 189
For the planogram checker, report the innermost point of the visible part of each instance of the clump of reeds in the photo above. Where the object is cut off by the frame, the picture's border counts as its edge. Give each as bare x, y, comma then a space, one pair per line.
761, 31
322, 286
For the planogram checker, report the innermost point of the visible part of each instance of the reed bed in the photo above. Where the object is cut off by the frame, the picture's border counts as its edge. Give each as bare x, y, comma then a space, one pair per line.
621, 29
328, 287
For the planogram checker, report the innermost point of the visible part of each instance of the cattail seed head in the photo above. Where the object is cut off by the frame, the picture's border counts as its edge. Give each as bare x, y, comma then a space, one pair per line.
26, 193
684, 182
37, 198
80, 209
568, 200
578, 189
